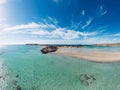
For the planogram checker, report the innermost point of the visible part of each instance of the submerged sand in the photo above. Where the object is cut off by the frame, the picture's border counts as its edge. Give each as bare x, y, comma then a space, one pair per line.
90, 54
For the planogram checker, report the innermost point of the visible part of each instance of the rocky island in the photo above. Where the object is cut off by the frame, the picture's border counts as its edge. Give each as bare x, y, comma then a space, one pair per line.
48, 49
54, 48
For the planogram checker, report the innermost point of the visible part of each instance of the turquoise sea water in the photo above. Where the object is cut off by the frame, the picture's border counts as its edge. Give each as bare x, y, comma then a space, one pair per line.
26, 67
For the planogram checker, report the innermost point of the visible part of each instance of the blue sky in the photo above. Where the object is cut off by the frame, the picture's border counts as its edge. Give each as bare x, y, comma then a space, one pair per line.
59, 21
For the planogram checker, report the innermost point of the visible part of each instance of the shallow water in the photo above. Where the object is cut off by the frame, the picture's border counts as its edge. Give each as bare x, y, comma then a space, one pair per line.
25, 66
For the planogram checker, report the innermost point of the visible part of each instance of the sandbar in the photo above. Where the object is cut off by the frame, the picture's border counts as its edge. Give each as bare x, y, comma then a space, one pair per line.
89, 54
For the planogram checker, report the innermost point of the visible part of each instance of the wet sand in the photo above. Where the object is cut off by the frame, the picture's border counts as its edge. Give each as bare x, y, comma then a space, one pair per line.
89, 54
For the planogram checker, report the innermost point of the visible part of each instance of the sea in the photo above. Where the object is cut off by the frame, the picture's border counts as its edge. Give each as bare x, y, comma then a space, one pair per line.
24, 67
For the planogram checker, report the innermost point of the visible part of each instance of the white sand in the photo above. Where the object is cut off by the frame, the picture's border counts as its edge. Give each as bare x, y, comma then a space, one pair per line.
92, 55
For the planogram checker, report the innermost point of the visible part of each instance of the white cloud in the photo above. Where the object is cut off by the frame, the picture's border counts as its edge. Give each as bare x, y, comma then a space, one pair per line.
101, 7
116, 35
98, 40
3, 1
52, 20
65, 33
83, 12
47, 30
75, 25
103, 11
28, 26
20, 27
56, 1
3, 25
2, 19
87, 23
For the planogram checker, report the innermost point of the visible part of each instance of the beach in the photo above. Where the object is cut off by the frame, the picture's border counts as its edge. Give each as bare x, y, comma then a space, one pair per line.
96, 55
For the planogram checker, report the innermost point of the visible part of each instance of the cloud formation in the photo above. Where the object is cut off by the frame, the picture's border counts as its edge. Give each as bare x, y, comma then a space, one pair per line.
83, 12
3, 1
116, 35
102, 11
56, 1
48, 29
87, 23
81, 30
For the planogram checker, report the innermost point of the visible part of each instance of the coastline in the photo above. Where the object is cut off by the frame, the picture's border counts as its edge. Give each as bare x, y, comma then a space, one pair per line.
90, 55
83, 52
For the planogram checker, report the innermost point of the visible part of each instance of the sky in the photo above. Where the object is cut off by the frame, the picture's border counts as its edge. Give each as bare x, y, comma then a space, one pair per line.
59, 21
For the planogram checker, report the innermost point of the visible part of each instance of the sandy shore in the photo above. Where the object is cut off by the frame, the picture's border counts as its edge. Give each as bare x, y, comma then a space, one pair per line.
89, 54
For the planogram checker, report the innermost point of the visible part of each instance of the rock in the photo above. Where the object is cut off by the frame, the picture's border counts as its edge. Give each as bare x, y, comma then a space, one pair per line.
85, 82
18, 88
91, 82
4, 78
94, 78
14, 82
17, 76
0, 77
86, 77
49, 49
81, 75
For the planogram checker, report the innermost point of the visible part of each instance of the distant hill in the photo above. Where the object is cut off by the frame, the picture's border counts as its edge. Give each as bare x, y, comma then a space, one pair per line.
76, 45
59, 45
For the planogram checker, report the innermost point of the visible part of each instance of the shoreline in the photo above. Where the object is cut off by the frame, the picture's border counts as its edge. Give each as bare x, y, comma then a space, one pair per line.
90, 55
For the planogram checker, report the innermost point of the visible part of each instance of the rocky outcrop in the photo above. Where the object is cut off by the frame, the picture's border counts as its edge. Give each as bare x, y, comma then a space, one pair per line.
18, 88
49, 49
86, 79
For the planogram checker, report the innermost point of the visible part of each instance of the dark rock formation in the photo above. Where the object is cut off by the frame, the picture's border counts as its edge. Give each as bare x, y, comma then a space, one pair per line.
86, 79
85, 82
49, 49
17, 76
14, 82
18, 88
94, 78
2, 77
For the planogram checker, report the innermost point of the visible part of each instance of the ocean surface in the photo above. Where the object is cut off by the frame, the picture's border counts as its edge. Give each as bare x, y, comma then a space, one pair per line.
23, 66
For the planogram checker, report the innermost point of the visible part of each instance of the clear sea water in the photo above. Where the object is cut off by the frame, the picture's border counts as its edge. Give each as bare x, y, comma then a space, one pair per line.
26, 67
